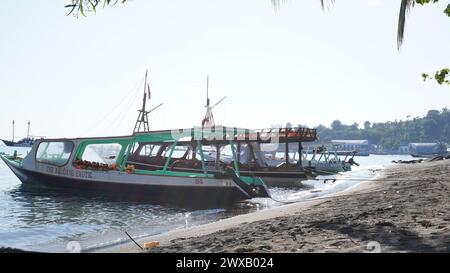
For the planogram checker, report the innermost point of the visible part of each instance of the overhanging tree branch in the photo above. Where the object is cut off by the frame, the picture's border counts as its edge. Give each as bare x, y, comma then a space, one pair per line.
82, 6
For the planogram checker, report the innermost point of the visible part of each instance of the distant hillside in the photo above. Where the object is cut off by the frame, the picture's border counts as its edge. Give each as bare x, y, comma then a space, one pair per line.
434, 127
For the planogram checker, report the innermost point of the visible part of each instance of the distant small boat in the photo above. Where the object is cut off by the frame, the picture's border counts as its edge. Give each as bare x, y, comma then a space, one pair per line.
380, 153
24, 142
356, 153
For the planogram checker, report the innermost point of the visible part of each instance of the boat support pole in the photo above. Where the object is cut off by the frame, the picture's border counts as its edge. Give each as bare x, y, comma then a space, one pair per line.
286, 149
169, 158
236, 165
199, 147
127, 153
300, 153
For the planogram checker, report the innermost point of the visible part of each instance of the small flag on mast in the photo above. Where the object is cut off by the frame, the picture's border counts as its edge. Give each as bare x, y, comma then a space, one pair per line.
148, 90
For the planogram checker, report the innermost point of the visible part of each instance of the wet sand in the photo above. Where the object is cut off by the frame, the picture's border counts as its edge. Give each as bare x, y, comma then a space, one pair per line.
407, 209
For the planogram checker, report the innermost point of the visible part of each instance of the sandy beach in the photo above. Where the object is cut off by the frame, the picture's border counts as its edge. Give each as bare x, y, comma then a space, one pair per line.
405, 210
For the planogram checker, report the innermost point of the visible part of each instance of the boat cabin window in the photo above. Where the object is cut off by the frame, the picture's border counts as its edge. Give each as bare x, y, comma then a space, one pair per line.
55, 153
102, 153
210, 153
178, 153
181, 152
149, 149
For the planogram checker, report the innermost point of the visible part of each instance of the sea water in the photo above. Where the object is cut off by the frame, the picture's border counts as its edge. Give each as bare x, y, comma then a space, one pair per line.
50, 220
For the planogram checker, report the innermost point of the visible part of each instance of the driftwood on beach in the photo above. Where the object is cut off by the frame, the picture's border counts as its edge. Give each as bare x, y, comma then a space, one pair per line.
436, 158
414, 161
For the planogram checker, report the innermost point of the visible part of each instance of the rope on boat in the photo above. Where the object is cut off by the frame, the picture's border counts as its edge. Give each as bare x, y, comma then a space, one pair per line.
133, 91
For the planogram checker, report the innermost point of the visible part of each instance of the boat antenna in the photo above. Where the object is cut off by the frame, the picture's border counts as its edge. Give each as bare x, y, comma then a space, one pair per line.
142, 120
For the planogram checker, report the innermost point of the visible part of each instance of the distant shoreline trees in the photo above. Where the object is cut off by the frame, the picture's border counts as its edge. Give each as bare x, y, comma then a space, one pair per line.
433, 127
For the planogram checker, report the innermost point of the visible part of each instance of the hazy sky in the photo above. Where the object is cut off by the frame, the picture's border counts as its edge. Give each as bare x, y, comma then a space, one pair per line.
83, 76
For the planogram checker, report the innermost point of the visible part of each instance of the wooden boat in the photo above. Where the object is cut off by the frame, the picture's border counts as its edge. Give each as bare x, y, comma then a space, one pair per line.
104, 165
249, 161
285, 173
250, 157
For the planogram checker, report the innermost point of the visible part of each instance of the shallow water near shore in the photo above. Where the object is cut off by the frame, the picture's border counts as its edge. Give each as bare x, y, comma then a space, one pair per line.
48, 221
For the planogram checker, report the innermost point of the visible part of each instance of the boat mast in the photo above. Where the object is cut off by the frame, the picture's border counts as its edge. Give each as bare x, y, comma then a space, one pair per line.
208, 121
13, 123
28, 131
142, 120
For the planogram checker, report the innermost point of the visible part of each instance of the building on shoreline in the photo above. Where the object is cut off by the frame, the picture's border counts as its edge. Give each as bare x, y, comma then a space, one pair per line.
360, 146
426, 148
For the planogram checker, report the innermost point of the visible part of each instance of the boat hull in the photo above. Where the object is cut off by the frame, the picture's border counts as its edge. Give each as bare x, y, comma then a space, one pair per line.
283, 182
183, 196
279, 179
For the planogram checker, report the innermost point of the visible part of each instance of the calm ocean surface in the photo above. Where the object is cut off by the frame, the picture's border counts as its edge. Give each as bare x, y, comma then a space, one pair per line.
48, 221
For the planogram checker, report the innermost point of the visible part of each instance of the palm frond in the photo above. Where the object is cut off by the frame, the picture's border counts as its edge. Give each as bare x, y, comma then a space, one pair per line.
404, 9
278, 3
326, 4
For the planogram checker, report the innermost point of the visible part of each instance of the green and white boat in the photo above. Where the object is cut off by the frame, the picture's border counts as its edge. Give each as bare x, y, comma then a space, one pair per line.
327, 162
104, 166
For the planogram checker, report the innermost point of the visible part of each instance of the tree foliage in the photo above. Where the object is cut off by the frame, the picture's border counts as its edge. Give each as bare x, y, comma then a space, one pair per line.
82, 6
441, 76
433, 127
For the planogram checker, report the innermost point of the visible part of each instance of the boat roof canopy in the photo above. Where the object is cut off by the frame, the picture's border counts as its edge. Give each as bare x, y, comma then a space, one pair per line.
210, 136
223, 135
